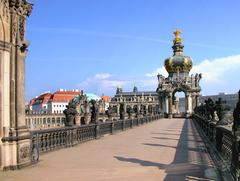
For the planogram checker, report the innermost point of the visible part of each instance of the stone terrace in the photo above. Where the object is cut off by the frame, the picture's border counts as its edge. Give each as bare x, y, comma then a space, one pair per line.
167, 149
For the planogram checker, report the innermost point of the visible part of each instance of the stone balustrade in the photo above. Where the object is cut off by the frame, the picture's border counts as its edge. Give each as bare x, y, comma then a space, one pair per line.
44, 121
222, 138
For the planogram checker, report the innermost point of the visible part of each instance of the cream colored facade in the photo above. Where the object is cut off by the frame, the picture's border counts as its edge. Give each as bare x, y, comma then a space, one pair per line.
14, 136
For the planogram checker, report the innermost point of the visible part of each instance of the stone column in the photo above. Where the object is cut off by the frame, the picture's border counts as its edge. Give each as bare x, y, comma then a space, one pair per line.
146, 107
197, 99
166, 105
15, 143
138, 109
118, 107
170, 106
189, 104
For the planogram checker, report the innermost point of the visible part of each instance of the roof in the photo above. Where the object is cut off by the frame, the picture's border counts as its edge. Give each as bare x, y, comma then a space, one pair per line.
64, 96
106, 98
58, 96
145, 93
91, 96
42, 99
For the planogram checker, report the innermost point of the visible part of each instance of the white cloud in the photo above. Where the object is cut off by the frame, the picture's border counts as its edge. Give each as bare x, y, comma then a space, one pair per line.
214, 70
102, 83
160, 70
102, 76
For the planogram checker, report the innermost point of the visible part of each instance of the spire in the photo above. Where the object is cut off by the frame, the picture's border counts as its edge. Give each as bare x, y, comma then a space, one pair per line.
177, 43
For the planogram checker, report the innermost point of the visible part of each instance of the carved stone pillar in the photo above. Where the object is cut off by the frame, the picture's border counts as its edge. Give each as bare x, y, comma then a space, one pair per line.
15, 149
188, 104
146, 107
170, 106
166, 105
118, 108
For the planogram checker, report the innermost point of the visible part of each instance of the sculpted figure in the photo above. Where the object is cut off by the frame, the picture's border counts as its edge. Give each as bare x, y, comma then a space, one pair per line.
219, 108
70, 114
197, 79
121, 111
94, 112
236, 115
215, 117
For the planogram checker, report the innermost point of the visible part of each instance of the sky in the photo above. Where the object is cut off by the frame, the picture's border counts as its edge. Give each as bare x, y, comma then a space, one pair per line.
97, 45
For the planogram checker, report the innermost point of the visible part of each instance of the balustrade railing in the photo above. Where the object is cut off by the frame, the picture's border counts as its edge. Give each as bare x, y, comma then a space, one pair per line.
56, 138
220, 136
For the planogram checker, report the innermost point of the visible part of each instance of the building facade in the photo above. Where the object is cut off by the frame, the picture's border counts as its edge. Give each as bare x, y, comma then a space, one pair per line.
137, 102
55, 103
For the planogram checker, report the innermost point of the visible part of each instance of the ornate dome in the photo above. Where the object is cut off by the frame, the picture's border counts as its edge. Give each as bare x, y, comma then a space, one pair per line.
178, 62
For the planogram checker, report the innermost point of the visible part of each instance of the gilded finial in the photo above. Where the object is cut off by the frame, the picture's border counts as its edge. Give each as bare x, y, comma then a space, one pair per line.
177, 34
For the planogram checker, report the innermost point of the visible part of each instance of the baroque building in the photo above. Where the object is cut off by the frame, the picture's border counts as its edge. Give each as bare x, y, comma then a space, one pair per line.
14, 136
136, 102
178, 67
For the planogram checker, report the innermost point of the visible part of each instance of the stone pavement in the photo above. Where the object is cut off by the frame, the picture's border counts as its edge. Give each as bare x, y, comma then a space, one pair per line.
167, 149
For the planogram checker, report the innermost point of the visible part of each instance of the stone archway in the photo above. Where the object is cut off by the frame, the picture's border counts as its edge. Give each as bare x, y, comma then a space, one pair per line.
178, 67
179, 105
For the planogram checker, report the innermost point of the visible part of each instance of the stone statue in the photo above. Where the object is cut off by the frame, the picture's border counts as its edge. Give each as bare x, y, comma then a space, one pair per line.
70, 114
219, 108
236, 115
215, 117
94, 112
129, 112
197, 79
210, 108
122, 111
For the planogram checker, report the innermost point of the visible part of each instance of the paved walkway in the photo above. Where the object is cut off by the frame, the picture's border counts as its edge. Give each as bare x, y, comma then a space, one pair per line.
162, 150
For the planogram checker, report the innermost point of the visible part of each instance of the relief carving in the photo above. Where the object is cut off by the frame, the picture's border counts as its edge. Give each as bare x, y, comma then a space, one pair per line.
21, 28
4, 11
24, 152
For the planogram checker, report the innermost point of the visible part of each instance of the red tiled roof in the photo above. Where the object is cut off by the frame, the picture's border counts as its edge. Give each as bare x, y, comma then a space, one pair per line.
64, 96
58, 96
32, 101
106, 98
42, 99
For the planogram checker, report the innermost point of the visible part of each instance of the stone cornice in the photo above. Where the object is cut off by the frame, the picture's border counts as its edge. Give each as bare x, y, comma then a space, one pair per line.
23, 7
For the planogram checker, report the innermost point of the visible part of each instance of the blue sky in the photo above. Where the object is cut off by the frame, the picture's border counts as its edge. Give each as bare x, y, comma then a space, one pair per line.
96, 45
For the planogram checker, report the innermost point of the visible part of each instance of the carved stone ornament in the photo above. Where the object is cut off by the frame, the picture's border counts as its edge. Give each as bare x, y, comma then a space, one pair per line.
24, 152
21, 28
4, 10
14, 26
21, 6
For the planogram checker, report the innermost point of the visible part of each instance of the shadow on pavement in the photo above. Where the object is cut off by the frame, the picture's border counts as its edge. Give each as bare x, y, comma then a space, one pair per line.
182, 167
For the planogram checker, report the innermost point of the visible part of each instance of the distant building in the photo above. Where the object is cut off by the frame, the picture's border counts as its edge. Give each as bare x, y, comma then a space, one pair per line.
141, 102
231, 99
59, 100
40, 103
106, 100
52, 103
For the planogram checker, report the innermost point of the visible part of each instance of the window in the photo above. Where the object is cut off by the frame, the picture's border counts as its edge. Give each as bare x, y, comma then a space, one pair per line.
44, 120
58, 120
